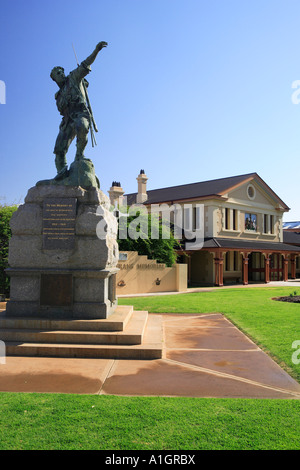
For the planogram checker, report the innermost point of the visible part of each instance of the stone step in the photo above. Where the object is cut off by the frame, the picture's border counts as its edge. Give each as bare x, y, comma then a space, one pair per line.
133, 334
151, 347
117, 321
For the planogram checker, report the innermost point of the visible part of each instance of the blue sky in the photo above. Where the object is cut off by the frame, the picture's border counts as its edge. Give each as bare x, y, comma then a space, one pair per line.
187, 90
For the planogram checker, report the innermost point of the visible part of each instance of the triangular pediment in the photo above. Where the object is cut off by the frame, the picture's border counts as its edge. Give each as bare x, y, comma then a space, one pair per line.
255, 192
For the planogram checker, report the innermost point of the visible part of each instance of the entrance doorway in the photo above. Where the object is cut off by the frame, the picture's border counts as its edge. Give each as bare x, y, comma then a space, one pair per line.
256, 267
276, 267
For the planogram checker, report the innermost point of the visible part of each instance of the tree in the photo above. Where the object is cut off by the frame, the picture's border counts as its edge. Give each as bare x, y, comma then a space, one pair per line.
138, 230
5, 233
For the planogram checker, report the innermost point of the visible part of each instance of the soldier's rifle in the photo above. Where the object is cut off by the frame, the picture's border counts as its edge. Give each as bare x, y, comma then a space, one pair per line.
92, 121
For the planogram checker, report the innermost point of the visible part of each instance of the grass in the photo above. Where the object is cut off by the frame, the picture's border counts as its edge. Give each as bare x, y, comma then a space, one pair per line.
31, 421
90, 422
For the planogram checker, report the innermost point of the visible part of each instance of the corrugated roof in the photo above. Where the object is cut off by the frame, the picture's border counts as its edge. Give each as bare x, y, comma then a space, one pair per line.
291, 225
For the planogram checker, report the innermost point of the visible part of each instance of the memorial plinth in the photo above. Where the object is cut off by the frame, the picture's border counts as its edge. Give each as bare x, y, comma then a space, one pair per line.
63, 254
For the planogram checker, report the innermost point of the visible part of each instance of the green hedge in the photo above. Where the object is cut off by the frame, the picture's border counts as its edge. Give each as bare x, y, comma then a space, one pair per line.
163, 250
5, 233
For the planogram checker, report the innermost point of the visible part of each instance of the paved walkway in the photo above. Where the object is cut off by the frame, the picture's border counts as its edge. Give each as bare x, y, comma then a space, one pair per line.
204, 356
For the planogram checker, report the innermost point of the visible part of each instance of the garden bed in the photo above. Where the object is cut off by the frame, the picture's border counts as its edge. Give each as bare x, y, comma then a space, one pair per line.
289, 298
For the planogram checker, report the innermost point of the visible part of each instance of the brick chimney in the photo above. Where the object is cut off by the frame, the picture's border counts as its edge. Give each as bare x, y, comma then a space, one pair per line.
142, 188
116, 193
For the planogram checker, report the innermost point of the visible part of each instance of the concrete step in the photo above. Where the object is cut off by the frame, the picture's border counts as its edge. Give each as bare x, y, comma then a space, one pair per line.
151, 347
133, 334
117, 321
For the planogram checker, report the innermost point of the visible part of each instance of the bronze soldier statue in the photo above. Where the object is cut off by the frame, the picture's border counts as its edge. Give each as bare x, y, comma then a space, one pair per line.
73, 104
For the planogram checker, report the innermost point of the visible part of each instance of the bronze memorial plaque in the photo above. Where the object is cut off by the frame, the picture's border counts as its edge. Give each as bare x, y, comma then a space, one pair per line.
56, 290
59, 216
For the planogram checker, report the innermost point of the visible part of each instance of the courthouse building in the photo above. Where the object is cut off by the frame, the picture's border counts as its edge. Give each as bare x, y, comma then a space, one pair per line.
243, 229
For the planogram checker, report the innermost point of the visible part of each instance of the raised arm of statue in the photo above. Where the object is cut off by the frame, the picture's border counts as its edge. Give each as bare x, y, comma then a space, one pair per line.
90, 59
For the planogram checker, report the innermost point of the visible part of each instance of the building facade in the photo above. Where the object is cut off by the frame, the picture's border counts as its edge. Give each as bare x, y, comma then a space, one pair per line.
291, 235
242, 226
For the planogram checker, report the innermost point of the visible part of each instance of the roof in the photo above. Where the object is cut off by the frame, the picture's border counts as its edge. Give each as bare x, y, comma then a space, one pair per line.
291, 225
253, 245
216, 188
291, 237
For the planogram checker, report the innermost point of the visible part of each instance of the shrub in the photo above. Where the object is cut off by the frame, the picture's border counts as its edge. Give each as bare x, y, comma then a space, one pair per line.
5, 233
160, 249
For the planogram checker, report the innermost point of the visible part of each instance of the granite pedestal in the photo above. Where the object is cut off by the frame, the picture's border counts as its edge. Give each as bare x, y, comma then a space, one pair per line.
63, 254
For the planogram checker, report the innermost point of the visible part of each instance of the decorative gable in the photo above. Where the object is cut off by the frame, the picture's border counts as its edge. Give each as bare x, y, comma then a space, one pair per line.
254, 193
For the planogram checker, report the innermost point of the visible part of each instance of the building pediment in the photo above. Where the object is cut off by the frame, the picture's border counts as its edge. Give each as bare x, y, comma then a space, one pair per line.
255, 192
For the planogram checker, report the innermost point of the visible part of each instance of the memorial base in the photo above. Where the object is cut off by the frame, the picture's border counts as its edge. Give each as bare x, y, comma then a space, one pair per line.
60, 293
62, 263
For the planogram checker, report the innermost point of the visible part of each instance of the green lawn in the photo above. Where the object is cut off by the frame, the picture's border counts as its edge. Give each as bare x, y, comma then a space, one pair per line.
57, 421
32, 421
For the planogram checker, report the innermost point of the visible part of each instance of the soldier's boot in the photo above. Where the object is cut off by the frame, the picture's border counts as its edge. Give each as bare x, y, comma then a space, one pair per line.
61, 166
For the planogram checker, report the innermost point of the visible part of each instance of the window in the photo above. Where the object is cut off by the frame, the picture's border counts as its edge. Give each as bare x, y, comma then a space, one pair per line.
234, 224
194, 218
269, 221
265, 223
236, 261
231, 261
271, 224
188, 214
251, 192
227, 261
227, 219
251, 222
230, 219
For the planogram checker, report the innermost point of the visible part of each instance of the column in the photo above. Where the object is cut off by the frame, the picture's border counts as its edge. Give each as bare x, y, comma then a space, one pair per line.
221, 270
245, 268
285, 268
189, 270
267, 268
293, 266
218, 269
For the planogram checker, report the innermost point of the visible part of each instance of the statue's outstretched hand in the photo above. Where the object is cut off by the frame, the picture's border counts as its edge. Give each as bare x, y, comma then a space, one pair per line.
100, 45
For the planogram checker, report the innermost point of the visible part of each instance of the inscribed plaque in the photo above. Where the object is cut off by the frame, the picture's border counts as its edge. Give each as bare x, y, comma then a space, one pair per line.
56, 290
59, 215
